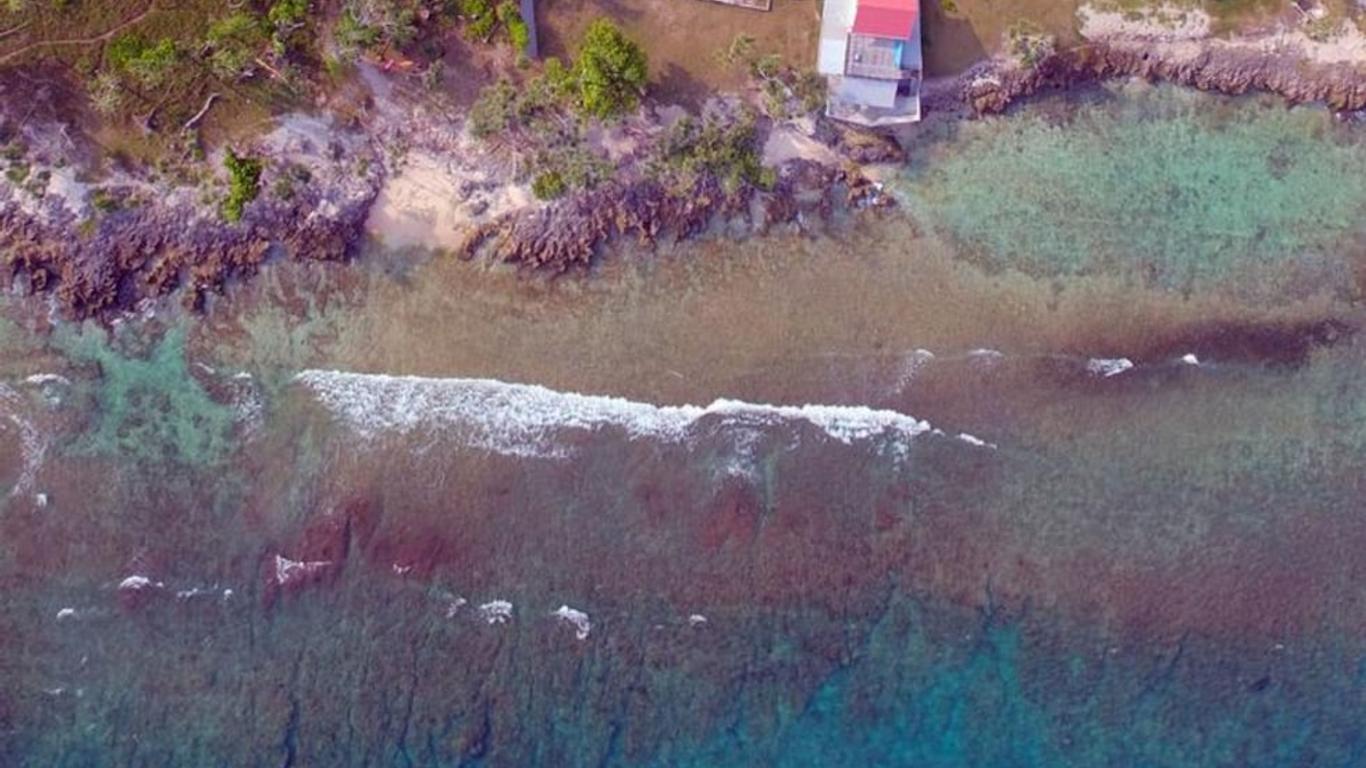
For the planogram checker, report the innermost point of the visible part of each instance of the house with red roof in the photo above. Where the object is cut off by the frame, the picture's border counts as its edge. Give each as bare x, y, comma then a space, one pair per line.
871, 56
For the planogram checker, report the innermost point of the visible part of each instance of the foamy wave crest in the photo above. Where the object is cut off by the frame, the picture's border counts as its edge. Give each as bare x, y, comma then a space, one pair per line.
522, 419
1107, 366
32, 443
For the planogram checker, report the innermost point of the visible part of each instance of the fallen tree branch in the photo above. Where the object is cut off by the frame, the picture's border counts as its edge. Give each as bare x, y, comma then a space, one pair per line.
198, 116
272, 70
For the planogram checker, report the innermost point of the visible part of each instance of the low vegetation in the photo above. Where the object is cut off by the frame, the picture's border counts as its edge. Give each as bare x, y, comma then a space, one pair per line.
725, 148
1029, 43
605, 81
545, 114
244, 184
787, 91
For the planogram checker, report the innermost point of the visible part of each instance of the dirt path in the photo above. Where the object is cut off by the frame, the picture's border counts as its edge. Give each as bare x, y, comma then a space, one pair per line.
151, 6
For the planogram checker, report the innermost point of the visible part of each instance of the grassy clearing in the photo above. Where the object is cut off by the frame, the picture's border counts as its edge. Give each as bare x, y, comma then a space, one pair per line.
684, 37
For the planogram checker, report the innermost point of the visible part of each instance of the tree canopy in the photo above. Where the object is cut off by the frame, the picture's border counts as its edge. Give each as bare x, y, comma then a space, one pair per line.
611, 70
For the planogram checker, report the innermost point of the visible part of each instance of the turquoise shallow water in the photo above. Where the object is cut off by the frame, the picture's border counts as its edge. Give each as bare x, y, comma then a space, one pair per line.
1172, 185
206, 560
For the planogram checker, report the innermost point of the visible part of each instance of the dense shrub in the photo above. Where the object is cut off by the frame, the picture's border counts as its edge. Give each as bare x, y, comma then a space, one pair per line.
244, 184
549, 185
724, 148
365, 24
610, 71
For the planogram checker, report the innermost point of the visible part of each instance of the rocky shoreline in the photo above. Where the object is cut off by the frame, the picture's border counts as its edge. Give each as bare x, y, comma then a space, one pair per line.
1226, 69
568, 234
109, 262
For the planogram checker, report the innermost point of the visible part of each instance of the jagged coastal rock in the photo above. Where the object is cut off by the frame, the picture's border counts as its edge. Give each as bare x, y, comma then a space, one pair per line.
568, 233
1223, 69
102, 250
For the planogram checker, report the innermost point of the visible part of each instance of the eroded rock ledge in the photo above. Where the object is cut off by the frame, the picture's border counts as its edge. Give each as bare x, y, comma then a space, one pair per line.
1228, 69
152, 251
568, 234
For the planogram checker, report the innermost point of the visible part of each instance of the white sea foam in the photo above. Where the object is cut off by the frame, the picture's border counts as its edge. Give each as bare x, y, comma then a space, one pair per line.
910, 366
975, 441
520, 419
43, 379
138, 582
496, 612
32, 443
579, 619
197, 592
1107, 367
292, 571
66, 613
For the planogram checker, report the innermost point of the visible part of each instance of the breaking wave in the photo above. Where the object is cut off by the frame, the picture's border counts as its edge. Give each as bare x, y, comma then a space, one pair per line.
522, 419
32, 443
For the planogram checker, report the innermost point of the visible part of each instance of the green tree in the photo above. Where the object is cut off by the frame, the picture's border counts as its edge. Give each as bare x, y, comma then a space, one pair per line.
518, 33
244, 184
611, 71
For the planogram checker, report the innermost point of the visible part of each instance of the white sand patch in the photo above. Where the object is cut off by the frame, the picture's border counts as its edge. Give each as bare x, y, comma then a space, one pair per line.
788, 142
668, 116
615, 142
1347, 45
1160, 22
422, 204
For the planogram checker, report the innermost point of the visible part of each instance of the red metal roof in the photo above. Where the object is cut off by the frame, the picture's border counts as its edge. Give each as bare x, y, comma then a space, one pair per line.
886, 18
